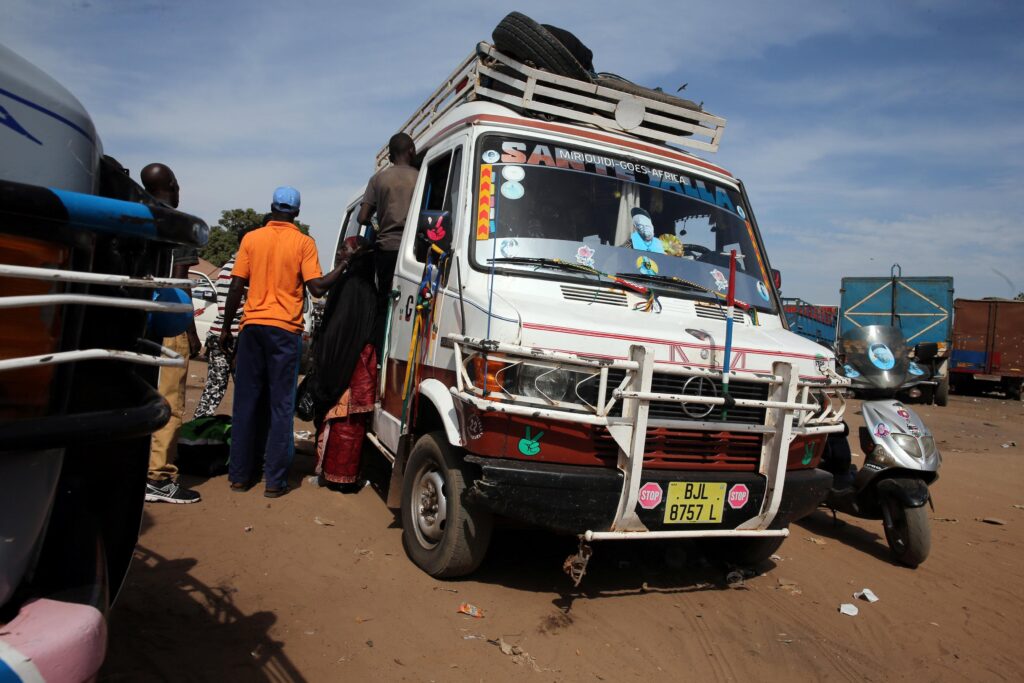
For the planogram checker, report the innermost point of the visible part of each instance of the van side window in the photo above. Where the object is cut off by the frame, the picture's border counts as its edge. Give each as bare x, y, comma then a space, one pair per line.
441, 191
349, 228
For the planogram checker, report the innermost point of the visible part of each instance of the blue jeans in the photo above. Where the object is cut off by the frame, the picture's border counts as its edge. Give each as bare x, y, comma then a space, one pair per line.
266, 372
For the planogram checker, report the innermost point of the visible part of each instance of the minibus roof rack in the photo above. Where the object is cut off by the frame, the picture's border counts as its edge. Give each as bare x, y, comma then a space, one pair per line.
493, 76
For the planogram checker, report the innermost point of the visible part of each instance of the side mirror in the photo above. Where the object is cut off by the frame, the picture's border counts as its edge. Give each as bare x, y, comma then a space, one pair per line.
777, 278
925, 351
434, 228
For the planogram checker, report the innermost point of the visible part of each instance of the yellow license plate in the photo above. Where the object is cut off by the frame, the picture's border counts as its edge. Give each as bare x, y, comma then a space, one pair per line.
694, 502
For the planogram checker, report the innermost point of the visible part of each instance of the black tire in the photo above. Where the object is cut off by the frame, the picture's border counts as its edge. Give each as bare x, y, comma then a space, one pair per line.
910, 538
456, 544
622, 85
942, 392
523, 38
748, 552
1013, 389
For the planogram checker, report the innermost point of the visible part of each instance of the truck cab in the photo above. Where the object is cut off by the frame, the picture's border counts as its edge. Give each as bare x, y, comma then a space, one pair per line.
557, 331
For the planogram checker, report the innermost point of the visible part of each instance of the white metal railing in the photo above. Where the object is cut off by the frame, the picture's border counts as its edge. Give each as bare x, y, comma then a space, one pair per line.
790, 410
541, 92
162, 357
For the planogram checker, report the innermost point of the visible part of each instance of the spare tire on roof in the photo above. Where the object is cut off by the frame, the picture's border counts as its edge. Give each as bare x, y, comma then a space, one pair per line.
581, 52
523, 38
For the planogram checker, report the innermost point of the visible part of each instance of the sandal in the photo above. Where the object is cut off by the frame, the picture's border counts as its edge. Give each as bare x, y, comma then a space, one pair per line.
276, 493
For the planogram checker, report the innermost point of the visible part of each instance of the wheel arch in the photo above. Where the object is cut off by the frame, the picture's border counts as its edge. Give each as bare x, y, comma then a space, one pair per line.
436, 411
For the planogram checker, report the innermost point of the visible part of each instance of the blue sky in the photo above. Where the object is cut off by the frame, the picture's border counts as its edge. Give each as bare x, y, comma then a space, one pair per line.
867, 133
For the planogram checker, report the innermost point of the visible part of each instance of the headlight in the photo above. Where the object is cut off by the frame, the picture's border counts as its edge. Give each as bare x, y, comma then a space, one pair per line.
537, 381
910, 444
927, 445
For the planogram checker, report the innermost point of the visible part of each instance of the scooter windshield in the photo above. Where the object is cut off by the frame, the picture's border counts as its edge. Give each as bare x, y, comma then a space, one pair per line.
876, 356
537, 200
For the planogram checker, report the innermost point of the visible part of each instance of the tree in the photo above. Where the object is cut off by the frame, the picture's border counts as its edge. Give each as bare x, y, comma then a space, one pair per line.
1020, 296
224, 235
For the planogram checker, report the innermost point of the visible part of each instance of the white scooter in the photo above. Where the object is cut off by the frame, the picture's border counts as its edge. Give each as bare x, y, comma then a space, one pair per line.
900, 456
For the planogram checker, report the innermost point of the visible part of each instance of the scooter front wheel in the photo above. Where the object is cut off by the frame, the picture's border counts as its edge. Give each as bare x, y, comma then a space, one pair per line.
908, 532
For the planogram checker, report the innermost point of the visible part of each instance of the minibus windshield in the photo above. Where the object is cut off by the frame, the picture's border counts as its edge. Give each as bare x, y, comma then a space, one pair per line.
538, 200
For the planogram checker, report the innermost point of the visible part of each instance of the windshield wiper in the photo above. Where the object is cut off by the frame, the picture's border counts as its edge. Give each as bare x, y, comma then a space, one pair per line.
670, 280
558, 264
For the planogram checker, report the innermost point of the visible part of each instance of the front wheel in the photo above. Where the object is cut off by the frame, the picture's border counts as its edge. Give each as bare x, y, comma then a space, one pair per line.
441, 534
908, 534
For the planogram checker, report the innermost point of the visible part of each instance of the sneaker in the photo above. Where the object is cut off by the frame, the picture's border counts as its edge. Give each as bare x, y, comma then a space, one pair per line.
169, 491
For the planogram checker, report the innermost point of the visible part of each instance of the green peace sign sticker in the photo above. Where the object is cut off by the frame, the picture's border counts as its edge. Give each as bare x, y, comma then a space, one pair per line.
530, 445
808, 454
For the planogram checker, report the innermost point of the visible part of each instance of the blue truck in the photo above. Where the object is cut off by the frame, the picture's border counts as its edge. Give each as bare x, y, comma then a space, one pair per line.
814, 322
922, 307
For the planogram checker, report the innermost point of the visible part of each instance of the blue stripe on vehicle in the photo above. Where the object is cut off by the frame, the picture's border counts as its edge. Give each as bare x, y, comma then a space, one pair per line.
108, 215
975, 359
52, 114
7, 674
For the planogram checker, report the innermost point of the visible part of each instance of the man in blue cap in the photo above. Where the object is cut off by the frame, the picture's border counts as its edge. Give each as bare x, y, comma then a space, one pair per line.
276, 262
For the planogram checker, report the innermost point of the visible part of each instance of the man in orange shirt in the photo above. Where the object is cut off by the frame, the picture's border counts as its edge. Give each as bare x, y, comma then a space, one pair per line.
276, 262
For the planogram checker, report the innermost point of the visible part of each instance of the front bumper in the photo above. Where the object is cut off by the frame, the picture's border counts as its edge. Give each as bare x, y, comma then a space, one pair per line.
575, 499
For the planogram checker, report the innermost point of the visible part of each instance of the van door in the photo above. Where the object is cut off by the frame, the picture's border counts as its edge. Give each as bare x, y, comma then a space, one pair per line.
439, 190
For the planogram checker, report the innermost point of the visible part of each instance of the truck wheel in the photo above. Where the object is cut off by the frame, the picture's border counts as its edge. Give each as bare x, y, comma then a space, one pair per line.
942, 392
742, 551
1013, 389
528, 41
441, 534
910, 538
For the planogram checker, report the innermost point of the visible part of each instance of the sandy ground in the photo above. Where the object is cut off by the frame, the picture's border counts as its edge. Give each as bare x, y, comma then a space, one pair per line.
243, 588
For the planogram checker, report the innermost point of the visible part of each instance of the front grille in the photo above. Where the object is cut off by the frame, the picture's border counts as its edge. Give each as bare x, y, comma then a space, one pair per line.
719, 313
671, 449
673, 384
592, 295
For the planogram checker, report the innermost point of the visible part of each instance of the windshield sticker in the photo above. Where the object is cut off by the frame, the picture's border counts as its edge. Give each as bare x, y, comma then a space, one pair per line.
508, 248
721, 282
532, 153
763, 291
474, 427
643, 232
485, 212
903, 412
913, 429
585, 256
530, 445
491, 156
881, 357
850, 371
882, 430
513, 173
742, 214
915, 369
512, 190
646, 266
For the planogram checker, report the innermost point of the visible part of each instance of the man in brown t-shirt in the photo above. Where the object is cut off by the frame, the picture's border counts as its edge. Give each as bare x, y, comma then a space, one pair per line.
389, 194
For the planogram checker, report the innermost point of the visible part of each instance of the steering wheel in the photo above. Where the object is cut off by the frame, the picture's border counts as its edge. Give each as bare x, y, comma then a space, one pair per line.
699, 250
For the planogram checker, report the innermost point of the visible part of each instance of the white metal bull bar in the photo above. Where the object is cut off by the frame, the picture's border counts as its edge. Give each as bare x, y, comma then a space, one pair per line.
790, 410
162, 356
